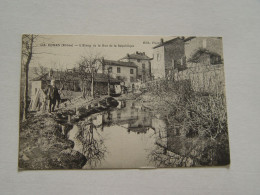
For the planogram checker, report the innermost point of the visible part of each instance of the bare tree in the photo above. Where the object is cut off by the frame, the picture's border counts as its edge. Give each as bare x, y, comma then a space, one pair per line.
89, 65
27, 54
40, 70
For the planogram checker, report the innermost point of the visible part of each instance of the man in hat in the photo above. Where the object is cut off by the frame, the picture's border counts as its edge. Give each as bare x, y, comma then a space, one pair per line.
52, 96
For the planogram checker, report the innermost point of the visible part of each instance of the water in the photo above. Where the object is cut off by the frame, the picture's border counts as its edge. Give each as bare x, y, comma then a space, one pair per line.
125, 137
131, 136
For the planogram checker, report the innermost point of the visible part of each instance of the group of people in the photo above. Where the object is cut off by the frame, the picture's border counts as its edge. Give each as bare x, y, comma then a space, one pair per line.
49, 97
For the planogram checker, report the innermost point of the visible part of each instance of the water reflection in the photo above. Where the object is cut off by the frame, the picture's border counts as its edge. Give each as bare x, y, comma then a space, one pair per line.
130, 136
88, 141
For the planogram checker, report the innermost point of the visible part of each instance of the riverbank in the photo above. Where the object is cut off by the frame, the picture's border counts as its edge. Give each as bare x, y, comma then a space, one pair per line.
43, 146
196, 121
43, 142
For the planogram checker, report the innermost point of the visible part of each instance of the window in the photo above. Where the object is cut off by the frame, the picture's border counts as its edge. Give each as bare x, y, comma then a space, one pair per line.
118, 78
143, 68
110, 69
118, 70
119, 115
132, 79
131, 71
138, 60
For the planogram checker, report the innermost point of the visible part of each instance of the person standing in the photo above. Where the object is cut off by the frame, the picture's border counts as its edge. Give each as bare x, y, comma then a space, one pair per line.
52, 96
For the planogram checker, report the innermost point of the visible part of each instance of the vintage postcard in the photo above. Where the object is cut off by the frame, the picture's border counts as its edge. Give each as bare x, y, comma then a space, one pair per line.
112, 102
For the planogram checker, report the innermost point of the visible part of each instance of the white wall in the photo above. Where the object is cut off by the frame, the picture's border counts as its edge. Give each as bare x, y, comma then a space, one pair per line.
158, 63
124, 72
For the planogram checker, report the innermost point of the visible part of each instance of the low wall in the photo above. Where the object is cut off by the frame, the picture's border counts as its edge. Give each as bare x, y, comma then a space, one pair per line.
204, 78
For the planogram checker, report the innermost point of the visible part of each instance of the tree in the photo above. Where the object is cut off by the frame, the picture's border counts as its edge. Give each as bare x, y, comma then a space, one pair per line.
40, 70
27, 54
88, 66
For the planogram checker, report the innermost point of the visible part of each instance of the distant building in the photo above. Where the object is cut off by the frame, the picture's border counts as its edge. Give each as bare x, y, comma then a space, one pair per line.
72, 80
143, 63
124, 71
168, 56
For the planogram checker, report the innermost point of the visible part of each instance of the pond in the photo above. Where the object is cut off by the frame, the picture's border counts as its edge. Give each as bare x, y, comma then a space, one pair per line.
124, 137
131, 136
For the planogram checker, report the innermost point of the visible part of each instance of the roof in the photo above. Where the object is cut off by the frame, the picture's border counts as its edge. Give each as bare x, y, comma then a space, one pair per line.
138, 56
172, 41
120, 63
75, 76
167, 42
102, 78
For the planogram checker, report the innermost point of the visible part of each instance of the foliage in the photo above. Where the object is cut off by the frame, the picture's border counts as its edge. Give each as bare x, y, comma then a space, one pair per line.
200, 120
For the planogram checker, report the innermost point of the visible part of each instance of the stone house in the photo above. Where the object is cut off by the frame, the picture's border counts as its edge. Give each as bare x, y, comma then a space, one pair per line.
143, 63
167, 56
123, 71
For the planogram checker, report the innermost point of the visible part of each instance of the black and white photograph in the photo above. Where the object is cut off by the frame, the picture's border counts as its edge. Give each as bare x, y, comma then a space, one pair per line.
129, 97
122, 102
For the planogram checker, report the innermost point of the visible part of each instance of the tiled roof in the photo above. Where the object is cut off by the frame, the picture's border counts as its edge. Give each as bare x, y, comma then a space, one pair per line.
119, 63
137, 55
75, 76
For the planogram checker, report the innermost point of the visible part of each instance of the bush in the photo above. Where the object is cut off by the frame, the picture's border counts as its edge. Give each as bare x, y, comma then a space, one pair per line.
201, 119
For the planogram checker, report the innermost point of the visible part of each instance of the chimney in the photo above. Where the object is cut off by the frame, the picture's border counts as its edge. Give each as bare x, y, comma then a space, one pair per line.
128, 55
162, 40
137, 52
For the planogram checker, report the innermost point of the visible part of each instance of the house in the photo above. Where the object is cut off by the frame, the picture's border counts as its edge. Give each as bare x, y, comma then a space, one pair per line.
143, 63
206, 50
123, 71
179, 54
73, 80
167, 56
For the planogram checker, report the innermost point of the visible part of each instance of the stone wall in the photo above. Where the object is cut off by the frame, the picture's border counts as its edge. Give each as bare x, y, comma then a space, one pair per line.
204, 78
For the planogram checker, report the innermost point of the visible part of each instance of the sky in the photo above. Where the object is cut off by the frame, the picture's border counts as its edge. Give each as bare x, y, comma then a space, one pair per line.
65, 51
